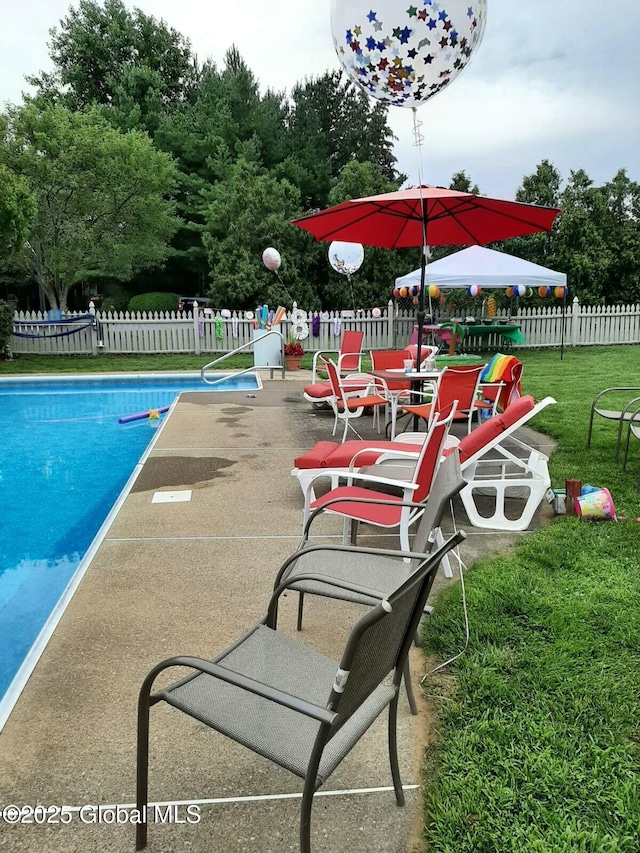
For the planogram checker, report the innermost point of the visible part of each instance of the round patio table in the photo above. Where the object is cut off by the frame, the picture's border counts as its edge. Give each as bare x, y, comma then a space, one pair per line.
413, 382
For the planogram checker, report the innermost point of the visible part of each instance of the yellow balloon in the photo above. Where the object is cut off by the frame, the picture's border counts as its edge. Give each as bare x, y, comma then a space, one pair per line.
434, 291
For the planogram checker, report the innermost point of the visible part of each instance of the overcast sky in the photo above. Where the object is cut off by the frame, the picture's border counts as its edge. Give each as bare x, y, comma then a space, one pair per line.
555, 79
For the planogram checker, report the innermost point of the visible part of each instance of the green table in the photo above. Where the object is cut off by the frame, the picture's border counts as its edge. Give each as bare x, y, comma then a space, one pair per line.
457, 360
509, 332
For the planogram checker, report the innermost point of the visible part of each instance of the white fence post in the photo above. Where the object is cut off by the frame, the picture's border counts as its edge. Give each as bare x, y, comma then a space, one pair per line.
196, 329
390, 324
575, 322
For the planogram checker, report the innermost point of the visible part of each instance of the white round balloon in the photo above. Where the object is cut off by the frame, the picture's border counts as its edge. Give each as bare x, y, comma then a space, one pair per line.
404, 56
271, 258
346, 258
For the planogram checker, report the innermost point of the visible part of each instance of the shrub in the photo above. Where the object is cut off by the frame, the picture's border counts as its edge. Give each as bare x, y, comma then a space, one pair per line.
154, 302
6, 328
116, 298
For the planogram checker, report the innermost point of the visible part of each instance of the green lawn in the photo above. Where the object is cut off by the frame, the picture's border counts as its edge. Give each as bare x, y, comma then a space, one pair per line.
117, 363
538, 742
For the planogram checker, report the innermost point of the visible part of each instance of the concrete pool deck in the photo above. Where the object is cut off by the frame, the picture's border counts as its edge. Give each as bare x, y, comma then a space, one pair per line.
188, 578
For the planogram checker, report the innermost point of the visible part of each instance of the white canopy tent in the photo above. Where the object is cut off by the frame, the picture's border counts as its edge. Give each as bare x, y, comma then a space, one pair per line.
486, 268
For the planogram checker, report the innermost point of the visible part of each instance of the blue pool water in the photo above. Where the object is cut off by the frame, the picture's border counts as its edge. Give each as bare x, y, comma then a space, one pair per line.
64, 459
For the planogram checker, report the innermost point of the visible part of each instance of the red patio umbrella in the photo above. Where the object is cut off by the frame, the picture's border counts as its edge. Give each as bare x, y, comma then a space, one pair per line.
426, 216
431, 216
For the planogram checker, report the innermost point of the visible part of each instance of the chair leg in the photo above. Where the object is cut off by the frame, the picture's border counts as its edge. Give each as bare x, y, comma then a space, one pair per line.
393, 751
590, 429
142, 767
354, 531
408, 686
305, 815
300, 609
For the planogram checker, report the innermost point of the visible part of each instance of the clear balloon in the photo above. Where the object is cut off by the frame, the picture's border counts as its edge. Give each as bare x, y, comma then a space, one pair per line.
271, 259
404, 56
346, 258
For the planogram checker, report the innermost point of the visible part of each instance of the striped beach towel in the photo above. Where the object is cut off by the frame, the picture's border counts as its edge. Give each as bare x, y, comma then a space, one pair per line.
507, 369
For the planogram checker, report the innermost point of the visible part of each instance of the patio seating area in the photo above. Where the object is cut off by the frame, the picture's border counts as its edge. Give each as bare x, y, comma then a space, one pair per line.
190, 577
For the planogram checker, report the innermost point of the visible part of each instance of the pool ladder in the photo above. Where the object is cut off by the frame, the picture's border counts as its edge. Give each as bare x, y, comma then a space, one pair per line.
269, 367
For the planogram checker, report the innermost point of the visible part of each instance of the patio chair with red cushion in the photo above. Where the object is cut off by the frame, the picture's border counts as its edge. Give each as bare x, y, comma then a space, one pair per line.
456, 383
349, 356
354, 502
348, 405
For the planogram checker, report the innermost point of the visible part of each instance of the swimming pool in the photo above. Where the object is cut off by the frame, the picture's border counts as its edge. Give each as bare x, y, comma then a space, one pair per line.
64, 460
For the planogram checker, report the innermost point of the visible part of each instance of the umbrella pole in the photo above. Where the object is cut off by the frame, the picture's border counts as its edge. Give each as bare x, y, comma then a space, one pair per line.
564, 310
420, 318
420, 315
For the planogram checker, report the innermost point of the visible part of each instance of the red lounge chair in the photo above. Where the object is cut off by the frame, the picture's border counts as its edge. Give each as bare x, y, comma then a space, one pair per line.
487, 456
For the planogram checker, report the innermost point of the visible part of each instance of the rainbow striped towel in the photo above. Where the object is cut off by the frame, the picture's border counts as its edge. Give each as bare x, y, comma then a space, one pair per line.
498, 369
501, 369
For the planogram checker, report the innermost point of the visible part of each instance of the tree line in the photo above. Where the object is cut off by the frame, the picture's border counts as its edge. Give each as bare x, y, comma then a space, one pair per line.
134, 167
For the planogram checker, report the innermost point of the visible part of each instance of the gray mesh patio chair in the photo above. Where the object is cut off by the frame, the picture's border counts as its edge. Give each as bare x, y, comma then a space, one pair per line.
622, 411
384, 573
379, 573
293, 705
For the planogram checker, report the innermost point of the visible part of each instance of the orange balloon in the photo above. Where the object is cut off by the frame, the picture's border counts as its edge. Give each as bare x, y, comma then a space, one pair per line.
510, 292
403, 292
434, 291
559, 292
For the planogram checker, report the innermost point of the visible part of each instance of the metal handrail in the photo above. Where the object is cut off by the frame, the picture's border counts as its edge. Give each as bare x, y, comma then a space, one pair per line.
270, 367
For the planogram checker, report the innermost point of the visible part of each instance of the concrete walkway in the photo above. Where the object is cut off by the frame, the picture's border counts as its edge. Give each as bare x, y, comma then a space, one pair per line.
188, 578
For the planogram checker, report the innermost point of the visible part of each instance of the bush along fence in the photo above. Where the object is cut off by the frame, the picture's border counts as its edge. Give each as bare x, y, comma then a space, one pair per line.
208, 332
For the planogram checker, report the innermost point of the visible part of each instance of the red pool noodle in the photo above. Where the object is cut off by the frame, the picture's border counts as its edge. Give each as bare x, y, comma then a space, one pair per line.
139, 416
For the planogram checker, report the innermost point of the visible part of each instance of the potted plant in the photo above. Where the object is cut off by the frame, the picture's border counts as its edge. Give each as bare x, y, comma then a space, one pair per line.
293, 352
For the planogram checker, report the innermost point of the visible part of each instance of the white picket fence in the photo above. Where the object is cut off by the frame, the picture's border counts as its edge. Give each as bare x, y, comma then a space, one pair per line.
209, 333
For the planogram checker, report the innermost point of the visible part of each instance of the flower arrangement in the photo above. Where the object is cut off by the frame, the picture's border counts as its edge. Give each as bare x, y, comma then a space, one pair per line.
293, 347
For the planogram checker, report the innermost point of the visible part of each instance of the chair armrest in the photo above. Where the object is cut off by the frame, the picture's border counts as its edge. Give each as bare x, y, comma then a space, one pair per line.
629, 406
316, 712
344, 355
382, 501
280, 585
373, 478
608, 391
314, 366
387, 454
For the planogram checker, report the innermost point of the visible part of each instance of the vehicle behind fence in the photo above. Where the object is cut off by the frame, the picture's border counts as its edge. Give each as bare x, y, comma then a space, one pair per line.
207, 332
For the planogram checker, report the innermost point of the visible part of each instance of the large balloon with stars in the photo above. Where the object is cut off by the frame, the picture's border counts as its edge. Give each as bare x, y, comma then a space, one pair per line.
404, 52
